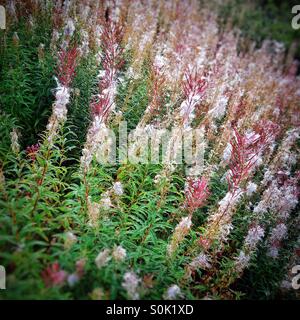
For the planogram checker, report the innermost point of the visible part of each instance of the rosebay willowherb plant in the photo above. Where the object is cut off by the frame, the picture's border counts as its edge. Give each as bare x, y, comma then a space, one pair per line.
201, 200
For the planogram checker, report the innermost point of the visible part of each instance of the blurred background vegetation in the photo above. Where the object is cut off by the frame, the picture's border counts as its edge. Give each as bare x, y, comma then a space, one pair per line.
259, 20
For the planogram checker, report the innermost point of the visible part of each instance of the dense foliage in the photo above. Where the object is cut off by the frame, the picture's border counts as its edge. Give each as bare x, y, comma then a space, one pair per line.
72, 227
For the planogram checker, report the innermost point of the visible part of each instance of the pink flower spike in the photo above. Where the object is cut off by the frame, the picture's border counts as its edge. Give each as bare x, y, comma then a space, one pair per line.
246, 150
194, 84
101, 106
32, 150
193, 88
67, 61
196, 193
53, 275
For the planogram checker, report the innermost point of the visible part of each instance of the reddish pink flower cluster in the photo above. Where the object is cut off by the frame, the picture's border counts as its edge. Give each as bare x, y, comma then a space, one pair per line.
246, 149
267, 131
112, 61
193, 87
193, 84
53, 275
32, 150
242, 158
100, 106
155, 92
196, 193
204, 242
67, 61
